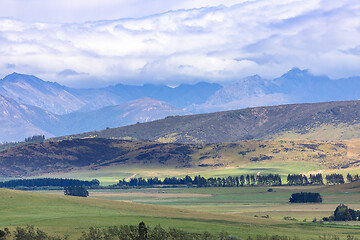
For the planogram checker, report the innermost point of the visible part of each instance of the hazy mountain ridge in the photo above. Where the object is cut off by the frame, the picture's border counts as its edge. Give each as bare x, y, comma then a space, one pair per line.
247, 92
295, 86
140, 110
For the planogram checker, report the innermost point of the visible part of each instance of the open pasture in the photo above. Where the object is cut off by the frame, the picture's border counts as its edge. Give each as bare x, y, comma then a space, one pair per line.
61, 215
249, 201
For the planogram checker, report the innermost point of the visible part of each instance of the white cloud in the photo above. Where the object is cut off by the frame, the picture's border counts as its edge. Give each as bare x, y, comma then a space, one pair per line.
218, 43
67, 11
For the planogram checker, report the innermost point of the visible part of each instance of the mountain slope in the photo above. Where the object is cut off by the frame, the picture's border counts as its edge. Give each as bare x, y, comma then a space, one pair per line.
31, 90
140, 110
18, 121
95, 153
329, 120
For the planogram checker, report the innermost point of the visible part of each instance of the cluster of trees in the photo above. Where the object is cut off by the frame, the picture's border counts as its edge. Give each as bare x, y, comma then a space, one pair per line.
78, 191
334, 178
268, 180
316, 179
344, 213
297, 179
305, 197
36, 138
351, 178
28, 232
45, 182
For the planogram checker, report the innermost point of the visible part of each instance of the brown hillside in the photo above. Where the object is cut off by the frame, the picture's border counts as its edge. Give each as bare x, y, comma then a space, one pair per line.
94, 153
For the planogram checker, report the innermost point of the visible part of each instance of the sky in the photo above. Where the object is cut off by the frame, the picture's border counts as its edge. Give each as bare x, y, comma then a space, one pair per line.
89, 43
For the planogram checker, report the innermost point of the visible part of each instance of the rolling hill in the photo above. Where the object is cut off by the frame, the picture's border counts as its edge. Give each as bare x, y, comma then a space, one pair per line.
322, 121
95, 153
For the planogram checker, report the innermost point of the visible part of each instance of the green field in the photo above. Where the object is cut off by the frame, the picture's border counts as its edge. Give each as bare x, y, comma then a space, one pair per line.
238, 211
191, 209
249, 201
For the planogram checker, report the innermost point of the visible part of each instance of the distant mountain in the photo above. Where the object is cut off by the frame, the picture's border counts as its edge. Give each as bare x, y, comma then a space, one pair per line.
18, 121
60, 99
326, 121
140, 110
301, 86
180, 96
295, 86
31, 90
247, 92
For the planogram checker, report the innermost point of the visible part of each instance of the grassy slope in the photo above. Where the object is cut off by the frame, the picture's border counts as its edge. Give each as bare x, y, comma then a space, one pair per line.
71, 215
100, 153
109, 160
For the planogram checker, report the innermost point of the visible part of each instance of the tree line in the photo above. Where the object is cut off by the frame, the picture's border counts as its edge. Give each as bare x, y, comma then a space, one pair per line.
238, 181
46, 182
199, 181
35, 138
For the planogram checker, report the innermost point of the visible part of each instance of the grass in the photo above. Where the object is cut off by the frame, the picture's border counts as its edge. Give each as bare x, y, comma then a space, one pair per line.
323, 132
247, 201
238, 158
59, 214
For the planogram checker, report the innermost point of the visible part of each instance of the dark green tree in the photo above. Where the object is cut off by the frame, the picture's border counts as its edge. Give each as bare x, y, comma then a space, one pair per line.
79, 191
142, 231
342, 213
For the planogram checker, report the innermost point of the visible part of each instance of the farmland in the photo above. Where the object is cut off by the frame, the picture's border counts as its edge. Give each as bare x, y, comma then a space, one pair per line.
238, 211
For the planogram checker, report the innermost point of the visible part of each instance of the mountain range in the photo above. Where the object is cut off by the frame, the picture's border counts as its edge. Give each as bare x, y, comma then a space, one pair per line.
31, 106
58, 110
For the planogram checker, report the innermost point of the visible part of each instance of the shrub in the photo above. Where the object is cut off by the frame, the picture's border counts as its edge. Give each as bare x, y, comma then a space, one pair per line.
79, 191
305, 197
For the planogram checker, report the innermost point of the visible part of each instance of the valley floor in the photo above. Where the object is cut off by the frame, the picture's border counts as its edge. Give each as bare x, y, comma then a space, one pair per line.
243, 212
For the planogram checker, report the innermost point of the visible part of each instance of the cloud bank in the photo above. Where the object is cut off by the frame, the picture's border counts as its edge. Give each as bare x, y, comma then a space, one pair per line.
217, 43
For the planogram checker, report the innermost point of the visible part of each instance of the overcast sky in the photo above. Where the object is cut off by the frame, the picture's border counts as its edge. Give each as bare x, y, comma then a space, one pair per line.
92, 42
